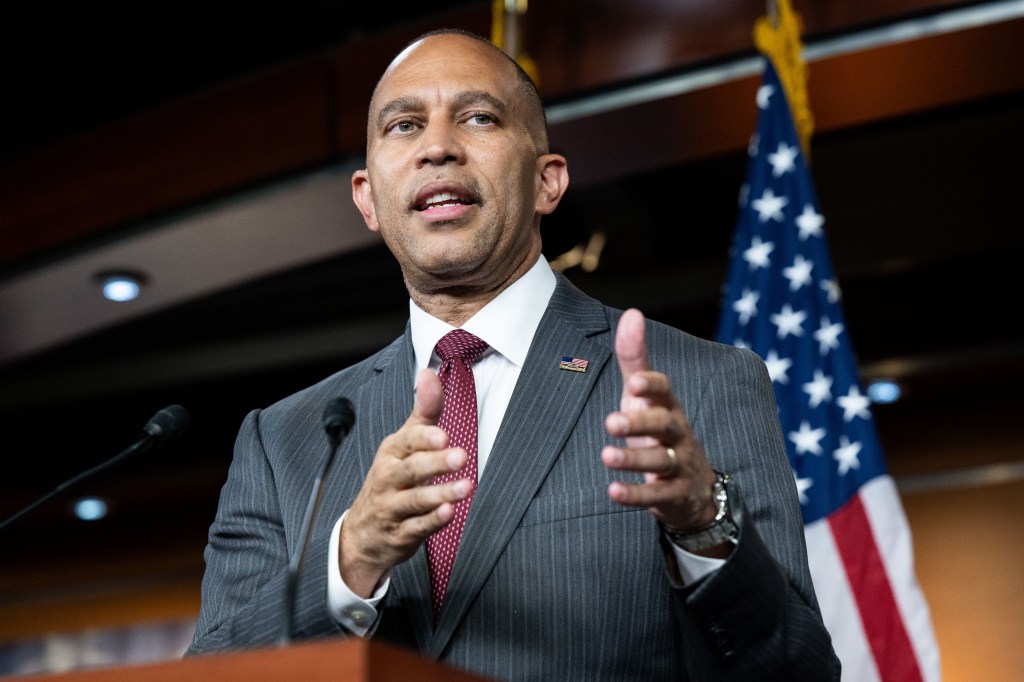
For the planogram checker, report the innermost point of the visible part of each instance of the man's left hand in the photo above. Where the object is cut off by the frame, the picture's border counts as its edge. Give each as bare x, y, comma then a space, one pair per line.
659, 440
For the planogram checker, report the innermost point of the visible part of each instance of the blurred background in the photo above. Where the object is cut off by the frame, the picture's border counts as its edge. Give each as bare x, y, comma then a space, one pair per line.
205, 149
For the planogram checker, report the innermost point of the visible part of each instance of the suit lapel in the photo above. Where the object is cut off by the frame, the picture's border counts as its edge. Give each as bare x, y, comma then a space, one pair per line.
542, 413
386, 401
382, 405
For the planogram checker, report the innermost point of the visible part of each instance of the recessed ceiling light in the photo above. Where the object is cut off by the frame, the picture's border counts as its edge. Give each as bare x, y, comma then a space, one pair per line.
120, 286
884, 391
90, 509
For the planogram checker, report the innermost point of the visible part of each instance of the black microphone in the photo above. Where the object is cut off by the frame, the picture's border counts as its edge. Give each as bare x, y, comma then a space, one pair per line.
165, 426
339, 416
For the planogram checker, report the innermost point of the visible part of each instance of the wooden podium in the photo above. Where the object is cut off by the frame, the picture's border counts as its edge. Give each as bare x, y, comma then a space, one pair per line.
350, 660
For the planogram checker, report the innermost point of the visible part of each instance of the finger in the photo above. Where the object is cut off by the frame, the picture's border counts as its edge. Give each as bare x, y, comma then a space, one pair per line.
420, 468
660, 493
413, 438
630, 349
654, 387
426, 499
429, 400
659, 423
423, 526
656, 460
420, 431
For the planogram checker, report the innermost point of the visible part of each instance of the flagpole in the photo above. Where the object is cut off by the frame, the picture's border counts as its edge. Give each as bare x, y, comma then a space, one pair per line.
508, 33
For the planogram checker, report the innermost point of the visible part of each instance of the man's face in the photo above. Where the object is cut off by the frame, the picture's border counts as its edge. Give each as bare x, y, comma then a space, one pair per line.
455, 179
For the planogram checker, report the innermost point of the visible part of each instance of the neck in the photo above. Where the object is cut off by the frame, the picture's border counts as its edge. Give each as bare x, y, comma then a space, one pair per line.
456, 304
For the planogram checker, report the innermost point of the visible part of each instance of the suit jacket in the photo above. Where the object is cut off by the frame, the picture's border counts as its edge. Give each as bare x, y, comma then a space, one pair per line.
553, 580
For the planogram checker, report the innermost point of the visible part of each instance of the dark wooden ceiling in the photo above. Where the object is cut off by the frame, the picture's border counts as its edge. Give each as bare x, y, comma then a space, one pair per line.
117, 112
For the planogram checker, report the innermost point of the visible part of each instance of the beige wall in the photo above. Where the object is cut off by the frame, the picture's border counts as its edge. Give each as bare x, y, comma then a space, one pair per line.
970, 553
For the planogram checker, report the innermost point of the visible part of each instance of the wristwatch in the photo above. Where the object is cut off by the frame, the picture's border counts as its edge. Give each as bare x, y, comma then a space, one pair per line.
723, 529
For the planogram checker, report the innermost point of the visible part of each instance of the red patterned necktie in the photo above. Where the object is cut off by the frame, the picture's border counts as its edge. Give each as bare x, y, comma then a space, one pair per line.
458, 350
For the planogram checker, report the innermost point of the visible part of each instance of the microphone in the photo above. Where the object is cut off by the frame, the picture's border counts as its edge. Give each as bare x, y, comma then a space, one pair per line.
165, 426
338, 419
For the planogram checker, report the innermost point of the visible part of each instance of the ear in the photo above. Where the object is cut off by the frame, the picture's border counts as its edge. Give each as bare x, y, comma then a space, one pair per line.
553, 173
362, 195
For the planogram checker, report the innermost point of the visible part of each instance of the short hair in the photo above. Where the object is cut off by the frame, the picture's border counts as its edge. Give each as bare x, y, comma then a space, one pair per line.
526, 86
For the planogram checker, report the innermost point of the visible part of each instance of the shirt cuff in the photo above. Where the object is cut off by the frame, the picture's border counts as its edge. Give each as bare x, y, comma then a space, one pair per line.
355, 614
693, 567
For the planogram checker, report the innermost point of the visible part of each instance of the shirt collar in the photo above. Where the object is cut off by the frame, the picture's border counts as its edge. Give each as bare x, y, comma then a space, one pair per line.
507, 324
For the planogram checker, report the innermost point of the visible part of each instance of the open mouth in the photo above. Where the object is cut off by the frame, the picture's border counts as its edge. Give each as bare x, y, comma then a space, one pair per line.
442, 200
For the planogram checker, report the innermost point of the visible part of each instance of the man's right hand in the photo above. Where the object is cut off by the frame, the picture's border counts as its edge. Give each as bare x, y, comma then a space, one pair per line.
398, 507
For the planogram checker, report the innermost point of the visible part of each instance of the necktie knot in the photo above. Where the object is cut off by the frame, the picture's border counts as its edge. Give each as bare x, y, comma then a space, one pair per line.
459, 343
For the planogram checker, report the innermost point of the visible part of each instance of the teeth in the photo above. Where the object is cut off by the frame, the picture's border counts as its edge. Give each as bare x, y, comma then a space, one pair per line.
441, 199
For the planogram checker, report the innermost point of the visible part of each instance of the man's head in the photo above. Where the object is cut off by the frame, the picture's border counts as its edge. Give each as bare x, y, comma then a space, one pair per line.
458, 170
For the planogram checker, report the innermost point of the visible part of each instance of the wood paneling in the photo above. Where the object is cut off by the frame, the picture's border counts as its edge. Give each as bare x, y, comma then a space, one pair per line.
209, 144
313, 111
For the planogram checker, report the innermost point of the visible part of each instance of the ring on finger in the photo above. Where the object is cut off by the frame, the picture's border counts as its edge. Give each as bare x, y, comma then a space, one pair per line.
672, 460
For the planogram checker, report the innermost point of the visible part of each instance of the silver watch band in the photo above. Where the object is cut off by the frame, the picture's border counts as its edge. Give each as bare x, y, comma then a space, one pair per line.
721, 530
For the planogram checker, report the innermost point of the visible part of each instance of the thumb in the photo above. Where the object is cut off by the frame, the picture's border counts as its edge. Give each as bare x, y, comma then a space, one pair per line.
631, 352
630, 348
429, 400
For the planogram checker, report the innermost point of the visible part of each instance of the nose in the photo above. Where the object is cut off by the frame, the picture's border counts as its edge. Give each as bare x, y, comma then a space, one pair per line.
441, 144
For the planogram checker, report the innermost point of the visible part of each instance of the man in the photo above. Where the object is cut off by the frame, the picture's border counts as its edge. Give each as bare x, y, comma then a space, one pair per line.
586, 534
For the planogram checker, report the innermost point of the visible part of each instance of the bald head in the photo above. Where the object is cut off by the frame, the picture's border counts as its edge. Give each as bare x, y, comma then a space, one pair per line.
527, 99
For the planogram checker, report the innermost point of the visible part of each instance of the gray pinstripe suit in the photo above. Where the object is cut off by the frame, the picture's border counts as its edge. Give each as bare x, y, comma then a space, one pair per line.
553, 580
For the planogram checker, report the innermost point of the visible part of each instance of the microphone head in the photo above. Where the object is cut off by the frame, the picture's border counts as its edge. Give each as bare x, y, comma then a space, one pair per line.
167, 424
339, 417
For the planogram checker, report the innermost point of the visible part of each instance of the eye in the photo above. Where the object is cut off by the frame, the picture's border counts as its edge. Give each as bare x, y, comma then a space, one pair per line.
481, 119
402, 127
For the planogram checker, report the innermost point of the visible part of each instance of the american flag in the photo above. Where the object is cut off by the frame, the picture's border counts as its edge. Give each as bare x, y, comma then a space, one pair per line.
782, 302
574, 364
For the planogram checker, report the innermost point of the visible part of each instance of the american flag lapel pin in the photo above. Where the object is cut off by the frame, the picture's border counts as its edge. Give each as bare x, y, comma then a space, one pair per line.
574, 364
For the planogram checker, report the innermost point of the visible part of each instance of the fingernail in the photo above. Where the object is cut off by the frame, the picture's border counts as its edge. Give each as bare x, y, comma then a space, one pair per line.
455, 460
612, 455
437, 439
619, 423
461, 488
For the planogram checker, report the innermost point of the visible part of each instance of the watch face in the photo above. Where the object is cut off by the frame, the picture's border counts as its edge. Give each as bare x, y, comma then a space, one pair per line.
722, 529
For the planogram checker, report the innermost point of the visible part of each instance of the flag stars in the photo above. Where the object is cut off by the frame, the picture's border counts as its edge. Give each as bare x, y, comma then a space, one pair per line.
757, 254
831, 288
819, 390
807, 439
782, 159
746, 305
854, 404
827, 335
809, 223
789, 321
802, 486
764, 95
846, 454
799, 273
778, 368
769, 206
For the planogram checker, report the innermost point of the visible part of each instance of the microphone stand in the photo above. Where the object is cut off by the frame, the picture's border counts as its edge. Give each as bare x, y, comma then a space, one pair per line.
339, 416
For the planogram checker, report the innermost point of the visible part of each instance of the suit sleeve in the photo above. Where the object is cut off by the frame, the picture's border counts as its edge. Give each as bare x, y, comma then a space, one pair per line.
247, 561
756, 617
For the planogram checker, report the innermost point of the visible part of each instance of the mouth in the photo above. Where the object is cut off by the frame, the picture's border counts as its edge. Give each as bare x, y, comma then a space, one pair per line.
448, 200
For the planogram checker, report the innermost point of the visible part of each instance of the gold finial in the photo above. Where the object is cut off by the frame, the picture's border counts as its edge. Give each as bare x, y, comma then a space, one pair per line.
777, 35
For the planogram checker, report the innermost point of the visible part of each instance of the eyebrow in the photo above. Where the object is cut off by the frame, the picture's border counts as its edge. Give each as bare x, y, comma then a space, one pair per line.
463, 99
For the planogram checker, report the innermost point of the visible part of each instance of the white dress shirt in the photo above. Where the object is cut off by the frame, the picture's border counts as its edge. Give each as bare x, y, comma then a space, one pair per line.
507, 324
